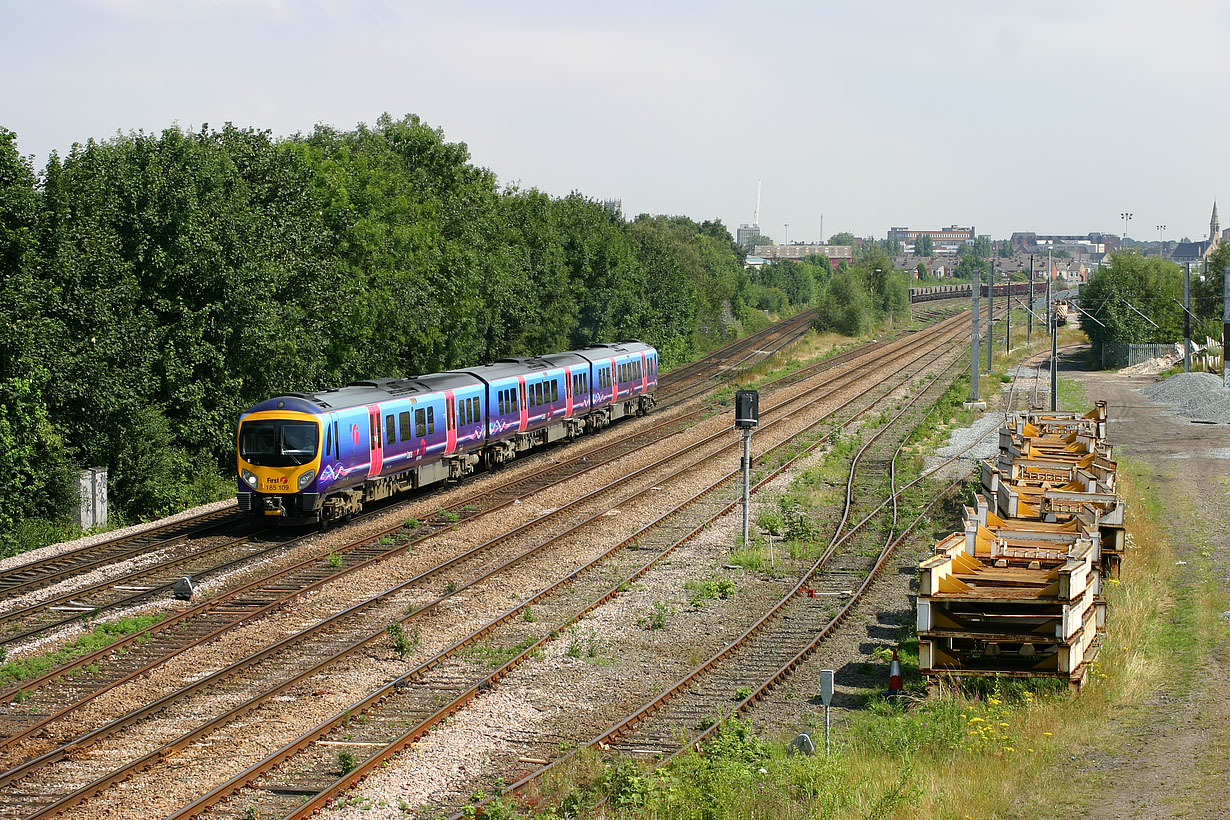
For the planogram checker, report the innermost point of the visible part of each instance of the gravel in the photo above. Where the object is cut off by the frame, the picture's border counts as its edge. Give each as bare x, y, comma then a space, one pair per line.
97, 538
1196, 396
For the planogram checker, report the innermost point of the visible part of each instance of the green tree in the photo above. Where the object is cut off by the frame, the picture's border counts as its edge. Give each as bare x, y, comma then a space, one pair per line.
1131, 285
982, 247
843, 238
924, 245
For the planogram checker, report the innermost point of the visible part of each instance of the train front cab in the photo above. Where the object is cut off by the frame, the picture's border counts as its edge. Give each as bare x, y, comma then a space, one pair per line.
278, 454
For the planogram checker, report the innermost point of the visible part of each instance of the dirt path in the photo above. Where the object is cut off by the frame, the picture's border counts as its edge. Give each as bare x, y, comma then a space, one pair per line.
1168, 757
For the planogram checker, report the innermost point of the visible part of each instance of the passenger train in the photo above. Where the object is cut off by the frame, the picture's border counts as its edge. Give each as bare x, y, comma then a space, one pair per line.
318, 457
958, 291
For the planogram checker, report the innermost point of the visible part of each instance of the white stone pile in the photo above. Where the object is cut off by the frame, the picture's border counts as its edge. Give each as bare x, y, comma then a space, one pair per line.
1196, 396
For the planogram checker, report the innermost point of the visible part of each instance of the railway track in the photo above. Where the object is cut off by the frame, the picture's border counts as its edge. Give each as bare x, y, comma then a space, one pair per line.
411, 701
141, 651
52, 570
12, 776
683, 716
45, 572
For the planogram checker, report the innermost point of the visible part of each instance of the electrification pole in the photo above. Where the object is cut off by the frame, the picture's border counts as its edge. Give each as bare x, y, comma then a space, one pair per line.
990, 313
1187, 317
1050, 324
973, 354
1029, 314
1225, 329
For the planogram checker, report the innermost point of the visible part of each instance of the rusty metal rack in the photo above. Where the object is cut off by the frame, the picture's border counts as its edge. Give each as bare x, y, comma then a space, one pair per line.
1019, 592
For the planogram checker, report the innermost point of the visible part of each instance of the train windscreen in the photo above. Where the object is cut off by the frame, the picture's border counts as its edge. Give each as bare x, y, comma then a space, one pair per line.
271, 443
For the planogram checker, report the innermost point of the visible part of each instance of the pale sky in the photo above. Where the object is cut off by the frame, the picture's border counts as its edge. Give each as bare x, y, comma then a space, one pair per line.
1045, 115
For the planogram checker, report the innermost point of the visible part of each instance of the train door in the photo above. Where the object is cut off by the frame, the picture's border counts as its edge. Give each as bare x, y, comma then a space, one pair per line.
567, 392
450, 422
377, 441
524, 410
614, 381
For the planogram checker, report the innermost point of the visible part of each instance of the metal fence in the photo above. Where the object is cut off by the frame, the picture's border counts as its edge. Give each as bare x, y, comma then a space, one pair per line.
1119, 354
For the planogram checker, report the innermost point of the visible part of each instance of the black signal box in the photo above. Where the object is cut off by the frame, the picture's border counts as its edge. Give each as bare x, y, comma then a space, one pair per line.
747, 409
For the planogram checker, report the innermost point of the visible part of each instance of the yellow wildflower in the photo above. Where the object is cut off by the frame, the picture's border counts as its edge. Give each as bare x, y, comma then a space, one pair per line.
976, 720
1048, 734
1005, 725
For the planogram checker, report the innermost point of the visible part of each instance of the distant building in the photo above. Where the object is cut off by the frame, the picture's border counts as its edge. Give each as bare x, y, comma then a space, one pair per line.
747, 235
615, 206
801, 250
754, 261
947, 235
1199, 251
1088, 244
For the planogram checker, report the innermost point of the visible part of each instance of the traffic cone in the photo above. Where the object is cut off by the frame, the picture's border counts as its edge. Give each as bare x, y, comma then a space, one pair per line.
894, 676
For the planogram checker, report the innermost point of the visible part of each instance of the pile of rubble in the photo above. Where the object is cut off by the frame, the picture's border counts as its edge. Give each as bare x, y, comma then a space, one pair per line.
1019, 592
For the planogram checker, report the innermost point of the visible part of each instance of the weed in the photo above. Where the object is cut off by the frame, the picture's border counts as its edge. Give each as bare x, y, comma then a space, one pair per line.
450, 587
743, 693
346, 761
253, 813
718, 586
658, 617
450, 516
411, 523
102, 635
335, 560
402, 644
528, 615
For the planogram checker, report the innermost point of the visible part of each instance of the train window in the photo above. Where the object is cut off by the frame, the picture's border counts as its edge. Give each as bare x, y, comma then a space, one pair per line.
328, 438
431, 420
337, 441
390, 429
554, 390
539, 390
501, 402
403, 421
420, 423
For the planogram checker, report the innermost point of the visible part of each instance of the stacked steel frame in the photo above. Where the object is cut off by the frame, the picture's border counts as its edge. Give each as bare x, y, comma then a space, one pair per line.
1019, 592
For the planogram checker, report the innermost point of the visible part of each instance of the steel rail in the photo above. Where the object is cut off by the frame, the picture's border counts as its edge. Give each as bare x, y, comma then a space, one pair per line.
26, 687
392, 688
43, 572
175, 567
654, 704
115, 726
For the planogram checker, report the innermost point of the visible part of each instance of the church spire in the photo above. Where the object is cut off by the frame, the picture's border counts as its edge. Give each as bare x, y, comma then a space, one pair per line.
1214, 226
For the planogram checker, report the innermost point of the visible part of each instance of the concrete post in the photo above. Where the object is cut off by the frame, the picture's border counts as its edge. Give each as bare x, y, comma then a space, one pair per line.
973, 355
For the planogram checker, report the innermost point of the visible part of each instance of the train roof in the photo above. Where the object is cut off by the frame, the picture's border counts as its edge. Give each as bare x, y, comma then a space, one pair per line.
510, 368
606, 350
372, 391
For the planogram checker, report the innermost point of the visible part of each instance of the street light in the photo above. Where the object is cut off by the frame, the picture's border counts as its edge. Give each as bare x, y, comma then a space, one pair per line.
1161, 247
1126, 217
787, 240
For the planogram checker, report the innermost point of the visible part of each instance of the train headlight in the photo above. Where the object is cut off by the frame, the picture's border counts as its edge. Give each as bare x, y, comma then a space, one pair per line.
248, 477
306, 478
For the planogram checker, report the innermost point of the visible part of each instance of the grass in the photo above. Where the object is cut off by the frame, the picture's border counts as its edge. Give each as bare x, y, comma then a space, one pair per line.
711, 589
934, 759
103, 635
